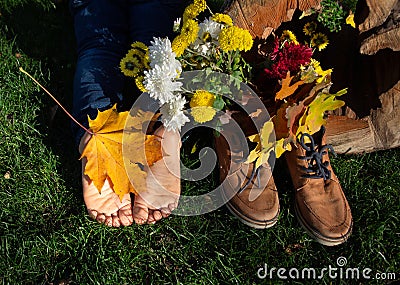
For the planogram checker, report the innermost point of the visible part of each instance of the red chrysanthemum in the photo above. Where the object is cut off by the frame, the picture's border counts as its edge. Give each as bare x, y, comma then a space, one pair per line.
288, 58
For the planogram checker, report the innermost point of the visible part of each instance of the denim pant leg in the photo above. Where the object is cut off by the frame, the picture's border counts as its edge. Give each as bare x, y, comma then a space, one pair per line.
104, 30
101, 30
153, 18
148, 19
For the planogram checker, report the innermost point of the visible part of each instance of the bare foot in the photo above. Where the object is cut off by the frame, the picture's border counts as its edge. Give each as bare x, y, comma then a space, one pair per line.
105, 207
163, 182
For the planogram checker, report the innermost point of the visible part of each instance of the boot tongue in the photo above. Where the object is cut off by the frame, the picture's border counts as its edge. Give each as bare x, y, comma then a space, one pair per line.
318, 136
314, 156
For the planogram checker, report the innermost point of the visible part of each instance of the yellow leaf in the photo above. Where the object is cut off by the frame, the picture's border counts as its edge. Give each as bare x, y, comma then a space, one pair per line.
350, 20
194, 148
140, 150
264, 157
104, 152
253, 155
255, 138
281, 146
313, 118
287, 89
306, 13
265, 144
266, 132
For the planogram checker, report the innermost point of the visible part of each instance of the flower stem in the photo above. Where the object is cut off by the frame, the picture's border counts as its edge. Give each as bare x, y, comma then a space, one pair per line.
58, 103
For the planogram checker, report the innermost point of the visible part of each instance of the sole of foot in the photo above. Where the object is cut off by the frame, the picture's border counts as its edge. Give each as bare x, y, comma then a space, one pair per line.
163, 187
104, 206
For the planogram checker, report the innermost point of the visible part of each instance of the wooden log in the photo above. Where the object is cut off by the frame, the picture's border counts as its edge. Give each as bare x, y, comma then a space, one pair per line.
261, 17
386, 120
350, 135
388, 39
382, 26
380, 130
379, 11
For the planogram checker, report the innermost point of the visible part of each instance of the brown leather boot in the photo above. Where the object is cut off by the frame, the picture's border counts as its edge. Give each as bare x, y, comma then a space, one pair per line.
320, 204
254, 196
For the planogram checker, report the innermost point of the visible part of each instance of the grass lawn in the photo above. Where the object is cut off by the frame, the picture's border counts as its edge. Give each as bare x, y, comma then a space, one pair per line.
47, 238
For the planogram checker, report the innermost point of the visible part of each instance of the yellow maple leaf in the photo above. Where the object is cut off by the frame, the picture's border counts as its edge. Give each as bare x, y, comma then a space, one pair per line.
105, 159
281, 146
287, 89
265, 145
140, 151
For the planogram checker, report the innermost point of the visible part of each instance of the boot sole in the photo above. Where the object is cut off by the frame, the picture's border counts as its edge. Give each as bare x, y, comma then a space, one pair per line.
317, 236
256, 224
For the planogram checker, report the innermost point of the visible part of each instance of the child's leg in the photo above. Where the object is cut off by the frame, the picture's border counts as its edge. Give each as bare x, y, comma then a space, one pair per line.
101, 30
148, 19
102, 40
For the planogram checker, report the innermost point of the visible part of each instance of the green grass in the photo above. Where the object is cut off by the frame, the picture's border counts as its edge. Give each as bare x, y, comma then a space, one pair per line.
47, 238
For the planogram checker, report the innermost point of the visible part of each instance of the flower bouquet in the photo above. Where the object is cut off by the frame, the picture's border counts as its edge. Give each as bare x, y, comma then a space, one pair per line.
213, 44
299, 88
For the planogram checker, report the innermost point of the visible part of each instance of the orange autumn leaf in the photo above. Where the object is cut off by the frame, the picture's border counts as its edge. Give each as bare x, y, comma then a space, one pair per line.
104, 154
139, 150
287, 89
153, 149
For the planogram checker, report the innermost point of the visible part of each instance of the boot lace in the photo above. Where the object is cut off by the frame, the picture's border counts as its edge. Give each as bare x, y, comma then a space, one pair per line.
316, 167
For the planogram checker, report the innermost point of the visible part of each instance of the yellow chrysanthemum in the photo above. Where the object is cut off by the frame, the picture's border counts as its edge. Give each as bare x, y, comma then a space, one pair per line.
201, 104
194, 9
235, 38
190, 30
190, 13
200, 5
223, 19
289, 36
179, 44
139, 83
310, 28
141, 47
320, 41
321, 73
203, 114
350, 20
202, 98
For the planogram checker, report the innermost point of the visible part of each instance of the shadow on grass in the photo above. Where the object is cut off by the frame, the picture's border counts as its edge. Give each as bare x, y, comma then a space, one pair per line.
47, 36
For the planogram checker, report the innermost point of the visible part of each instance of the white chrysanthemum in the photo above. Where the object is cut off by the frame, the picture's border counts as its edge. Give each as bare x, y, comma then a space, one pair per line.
172, 115
159, 83
160, 53
208, 36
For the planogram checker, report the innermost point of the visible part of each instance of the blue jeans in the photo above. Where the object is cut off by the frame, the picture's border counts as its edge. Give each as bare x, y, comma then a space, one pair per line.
104, 30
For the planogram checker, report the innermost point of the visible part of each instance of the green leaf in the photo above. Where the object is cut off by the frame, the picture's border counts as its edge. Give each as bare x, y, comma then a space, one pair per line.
219, 103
